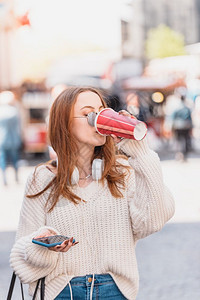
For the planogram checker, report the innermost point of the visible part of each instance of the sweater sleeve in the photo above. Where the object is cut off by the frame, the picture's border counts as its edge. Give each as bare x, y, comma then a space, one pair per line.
151, 204
30, 261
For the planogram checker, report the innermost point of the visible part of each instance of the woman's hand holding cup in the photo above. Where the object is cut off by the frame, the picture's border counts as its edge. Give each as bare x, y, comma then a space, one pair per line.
124, 113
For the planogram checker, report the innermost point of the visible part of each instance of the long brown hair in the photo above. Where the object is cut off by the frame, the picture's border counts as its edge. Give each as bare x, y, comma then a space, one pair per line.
64, 144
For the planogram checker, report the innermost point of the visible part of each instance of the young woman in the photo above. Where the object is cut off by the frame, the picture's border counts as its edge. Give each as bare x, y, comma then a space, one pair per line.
105, 201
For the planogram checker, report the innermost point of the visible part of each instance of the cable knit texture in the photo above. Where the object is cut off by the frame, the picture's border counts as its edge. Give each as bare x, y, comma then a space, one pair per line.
107, 228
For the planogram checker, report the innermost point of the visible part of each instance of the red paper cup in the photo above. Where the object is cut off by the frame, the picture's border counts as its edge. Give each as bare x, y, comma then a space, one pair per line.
109, 122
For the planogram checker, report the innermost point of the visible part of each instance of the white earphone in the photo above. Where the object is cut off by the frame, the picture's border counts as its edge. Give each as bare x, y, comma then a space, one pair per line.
97, 168
97, 171
75, 176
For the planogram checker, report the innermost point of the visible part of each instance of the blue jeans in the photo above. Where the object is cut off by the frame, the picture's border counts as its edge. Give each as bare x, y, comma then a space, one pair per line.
104, 288
7, 155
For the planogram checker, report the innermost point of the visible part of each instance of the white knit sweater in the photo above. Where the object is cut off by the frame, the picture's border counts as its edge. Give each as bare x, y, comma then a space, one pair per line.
107, 228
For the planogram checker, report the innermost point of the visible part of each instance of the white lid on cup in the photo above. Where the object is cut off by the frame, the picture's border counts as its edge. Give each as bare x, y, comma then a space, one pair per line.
140, 131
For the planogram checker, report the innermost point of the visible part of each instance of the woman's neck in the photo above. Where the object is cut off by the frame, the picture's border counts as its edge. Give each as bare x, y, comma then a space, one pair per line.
84, 162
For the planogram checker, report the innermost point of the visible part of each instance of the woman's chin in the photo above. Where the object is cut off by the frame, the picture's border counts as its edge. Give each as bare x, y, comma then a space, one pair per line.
100, 140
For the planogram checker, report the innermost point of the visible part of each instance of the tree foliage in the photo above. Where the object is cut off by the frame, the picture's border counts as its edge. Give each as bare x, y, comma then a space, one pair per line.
163, 42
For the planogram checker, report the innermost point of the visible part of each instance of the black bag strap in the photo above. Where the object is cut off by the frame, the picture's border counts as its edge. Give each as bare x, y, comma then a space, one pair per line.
36, 288
42, 288
22, 291
12, 284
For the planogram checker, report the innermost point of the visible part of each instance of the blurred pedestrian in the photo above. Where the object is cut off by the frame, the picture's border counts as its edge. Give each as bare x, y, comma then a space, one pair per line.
196, 119
182, 127
10, 134
135, 107
104, 200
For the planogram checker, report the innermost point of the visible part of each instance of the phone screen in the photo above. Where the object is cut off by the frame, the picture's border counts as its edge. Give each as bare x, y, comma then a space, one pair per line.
52, 239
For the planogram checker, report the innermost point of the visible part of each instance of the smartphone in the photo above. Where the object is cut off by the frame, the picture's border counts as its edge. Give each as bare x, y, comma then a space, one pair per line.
51, 241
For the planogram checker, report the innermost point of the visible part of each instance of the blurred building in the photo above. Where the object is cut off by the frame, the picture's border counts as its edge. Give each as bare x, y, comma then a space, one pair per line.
9, 44
141, 15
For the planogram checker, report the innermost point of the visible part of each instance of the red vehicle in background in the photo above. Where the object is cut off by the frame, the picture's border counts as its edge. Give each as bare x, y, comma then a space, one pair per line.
35, 110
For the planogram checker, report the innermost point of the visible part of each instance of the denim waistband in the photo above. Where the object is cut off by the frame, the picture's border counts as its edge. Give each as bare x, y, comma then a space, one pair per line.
89, 282
98, 278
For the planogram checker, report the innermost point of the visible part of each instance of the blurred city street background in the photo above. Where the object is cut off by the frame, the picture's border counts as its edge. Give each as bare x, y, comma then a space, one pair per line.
144, 55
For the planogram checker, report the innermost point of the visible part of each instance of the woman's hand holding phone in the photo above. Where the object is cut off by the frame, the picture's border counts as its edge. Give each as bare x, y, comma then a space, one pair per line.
61, 247
65, 246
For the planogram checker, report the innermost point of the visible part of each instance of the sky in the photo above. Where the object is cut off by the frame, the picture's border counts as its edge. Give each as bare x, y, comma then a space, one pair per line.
60, 27
77, 20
